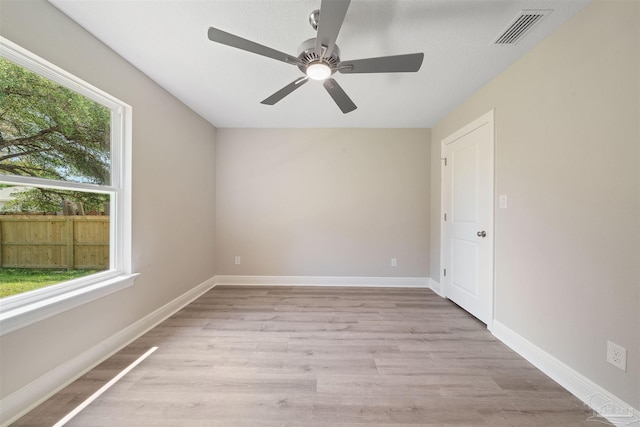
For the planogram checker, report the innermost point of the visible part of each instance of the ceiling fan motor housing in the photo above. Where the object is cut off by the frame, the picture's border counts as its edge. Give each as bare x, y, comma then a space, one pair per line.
307, 54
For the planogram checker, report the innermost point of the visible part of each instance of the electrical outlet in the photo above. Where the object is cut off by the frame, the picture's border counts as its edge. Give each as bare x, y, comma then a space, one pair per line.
394, 262
237, 261
617, 355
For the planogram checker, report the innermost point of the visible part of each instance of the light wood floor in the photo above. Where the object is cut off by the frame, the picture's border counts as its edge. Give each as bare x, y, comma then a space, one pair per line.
310, 356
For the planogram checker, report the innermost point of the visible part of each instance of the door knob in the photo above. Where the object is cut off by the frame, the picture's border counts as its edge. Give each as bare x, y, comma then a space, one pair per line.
482, 233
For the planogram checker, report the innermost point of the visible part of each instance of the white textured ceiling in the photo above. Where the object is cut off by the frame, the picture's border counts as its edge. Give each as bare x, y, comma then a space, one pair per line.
167, 40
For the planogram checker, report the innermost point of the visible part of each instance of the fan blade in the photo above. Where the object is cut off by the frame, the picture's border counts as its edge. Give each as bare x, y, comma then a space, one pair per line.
219, 36
339, 96
285, 91
384, 64
332, 13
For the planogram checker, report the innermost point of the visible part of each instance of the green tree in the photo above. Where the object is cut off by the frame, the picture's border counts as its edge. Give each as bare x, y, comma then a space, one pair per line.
49, 131
46, 200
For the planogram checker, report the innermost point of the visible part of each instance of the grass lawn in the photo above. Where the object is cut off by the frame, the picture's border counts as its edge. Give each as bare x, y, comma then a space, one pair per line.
18, 280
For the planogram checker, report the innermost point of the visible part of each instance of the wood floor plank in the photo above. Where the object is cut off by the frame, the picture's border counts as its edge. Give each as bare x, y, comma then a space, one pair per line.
316, 356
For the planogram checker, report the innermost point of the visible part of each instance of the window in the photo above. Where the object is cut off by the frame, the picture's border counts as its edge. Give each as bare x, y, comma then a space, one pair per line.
65, 149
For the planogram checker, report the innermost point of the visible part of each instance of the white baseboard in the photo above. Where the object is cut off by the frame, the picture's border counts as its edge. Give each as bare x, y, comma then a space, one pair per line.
28, 397
436, 287
386, 282
597, 398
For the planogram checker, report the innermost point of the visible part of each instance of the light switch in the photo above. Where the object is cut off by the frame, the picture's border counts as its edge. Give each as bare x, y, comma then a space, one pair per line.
503, 201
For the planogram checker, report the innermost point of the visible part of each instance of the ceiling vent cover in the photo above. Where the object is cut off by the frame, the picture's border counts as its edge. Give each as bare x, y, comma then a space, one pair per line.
520, 25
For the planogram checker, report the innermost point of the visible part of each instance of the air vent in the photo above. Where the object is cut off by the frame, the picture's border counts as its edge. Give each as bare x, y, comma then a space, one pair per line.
520, 25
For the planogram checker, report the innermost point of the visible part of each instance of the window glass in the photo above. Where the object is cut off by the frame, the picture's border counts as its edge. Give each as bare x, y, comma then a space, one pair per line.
49, 131
56, 191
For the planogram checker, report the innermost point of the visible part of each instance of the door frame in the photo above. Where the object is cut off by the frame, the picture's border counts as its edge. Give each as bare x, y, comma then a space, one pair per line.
486, 118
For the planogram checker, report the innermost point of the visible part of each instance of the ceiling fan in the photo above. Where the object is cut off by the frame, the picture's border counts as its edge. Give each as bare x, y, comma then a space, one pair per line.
319, 58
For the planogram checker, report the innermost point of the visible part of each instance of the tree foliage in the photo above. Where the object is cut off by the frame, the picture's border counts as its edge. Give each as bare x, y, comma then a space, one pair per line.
49, 131
46, 200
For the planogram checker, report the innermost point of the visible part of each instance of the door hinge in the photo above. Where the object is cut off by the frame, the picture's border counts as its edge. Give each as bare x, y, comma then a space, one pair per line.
445, 272
445, 160
445, 217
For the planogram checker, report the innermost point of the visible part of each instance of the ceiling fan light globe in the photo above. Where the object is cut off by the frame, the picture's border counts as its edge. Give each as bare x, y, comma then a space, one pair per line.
318, 71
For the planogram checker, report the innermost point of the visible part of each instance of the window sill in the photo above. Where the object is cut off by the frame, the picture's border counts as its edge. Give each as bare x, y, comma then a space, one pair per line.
13, 319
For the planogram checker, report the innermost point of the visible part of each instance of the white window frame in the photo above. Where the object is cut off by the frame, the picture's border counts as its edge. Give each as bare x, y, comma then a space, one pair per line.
25, 309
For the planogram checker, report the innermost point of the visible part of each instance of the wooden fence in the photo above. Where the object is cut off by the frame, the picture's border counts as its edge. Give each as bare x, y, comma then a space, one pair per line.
30, 241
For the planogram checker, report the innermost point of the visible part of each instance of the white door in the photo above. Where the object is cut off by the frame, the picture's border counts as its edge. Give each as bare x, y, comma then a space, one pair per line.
467, 217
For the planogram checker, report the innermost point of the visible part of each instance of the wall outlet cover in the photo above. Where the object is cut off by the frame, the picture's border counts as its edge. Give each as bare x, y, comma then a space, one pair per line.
617, 355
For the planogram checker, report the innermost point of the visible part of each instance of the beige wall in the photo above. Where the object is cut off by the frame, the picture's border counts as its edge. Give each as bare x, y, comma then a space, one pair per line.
173, 196
323, 202
567, 155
